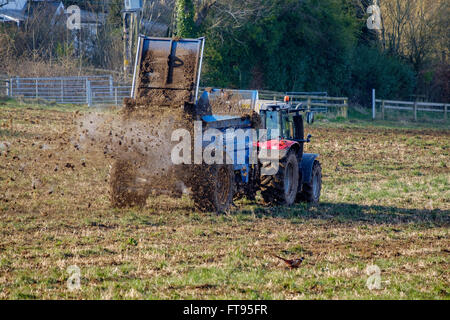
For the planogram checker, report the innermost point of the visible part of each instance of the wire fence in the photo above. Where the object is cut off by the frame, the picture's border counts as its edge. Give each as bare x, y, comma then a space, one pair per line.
318, 102
103, 90
89, 90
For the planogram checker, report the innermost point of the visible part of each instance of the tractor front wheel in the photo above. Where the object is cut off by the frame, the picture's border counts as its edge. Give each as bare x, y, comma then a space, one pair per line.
311, 191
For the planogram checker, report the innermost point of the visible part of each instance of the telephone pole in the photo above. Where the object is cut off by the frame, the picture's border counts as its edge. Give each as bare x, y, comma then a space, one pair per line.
131, 27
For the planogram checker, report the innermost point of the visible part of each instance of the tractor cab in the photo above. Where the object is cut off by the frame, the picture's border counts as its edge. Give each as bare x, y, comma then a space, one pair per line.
285, 121
298, 175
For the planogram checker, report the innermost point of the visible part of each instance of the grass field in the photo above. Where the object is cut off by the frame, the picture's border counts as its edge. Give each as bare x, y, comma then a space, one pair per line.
386, 202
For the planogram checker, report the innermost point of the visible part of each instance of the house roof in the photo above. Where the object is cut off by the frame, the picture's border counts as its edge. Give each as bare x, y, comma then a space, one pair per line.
52, 8
31, 8
12, 15
13, 5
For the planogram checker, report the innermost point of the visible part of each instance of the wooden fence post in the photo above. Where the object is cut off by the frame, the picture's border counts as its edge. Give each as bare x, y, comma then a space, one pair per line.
345, 111
88, 93
309, 104
62, 91
415, 110
383, 103
111, 85
445, 112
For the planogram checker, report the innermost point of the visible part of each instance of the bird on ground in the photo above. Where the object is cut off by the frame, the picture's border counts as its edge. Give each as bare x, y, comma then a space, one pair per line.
292, 264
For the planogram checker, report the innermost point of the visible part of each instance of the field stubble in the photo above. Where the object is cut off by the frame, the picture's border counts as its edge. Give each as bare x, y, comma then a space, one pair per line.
386, 201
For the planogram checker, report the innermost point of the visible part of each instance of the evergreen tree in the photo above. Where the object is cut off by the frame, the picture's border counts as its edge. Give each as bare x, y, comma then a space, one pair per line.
114, 17
185, 12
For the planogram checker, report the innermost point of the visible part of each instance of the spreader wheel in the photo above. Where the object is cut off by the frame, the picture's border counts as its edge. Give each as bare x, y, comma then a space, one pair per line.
213, 189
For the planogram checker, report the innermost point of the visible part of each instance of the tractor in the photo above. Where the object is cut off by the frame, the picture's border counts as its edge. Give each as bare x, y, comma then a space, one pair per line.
270, 159
283, 173
299, 177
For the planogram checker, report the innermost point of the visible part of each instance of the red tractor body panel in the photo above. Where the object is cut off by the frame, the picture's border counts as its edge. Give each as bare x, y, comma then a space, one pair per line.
277, 144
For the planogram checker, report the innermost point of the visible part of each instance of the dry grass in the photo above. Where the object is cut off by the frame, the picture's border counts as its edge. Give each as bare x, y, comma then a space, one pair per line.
386, 201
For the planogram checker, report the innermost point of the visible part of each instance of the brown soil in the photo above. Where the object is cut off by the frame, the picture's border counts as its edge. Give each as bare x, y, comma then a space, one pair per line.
163, 86
230, 103
227, 103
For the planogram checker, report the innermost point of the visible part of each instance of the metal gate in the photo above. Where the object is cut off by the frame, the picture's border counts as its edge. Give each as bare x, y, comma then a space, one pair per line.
90, 90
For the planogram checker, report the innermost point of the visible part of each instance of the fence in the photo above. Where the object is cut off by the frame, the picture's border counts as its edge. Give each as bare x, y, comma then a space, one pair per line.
413, 107
321, 94
275, 95
314, 101
90, 90
101, 90
4, 87
323, 104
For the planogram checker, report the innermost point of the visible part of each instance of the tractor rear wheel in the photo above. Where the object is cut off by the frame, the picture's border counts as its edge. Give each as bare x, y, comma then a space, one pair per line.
311, 191
124, 187
213, 188
282, 187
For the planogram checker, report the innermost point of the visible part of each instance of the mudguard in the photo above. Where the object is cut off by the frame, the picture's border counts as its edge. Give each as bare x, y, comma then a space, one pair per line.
282, 146
306, 166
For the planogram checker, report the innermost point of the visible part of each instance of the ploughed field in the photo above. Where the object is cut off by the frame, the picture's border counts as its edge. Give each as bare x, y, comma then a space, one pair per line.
385, 202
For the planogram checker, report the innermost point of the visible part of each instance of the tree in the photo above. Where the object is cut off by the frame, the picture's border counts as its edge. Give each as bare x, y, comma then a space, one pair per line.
397, 13
417, 31
281, 45
361, 12
185, 13
114, 17
291, 45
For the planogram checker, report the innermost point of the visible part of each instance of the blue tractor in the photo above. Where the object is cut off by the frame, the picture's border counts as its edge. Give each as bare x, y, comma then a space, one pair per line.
261, 146
279, 168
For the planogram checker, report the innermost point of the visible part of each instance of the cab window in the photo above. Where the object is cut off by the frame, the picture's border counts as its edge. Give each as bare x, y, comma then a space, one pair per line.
272, 125
288, 128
